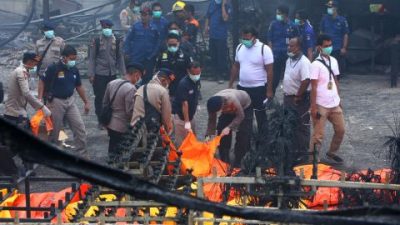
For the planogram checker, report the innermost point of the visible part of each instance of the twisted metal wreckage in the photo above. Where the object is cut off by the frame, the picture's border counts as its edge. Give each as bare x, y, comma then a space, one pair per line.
21, 142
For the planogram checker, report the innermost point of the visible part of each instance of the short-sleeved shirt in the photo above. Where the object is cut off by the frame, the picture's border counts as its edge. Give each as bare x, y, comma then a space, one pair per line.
188, 91
325, 97
252, 64
306, 32
336, 28
218, 27
60, 80
296, 71
279, 34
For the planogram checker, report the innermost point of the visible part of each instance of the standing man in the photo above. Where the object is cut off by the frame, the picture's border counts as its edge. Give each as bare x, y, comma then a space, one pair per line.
236, 115
216, 26
337, 28
142, 44
185, 104
105, 58
279, 32
130, 15
306, 32
174, 59
191, 24
296, 87
57, 88
179, 15
159, 20
48, 48
153, 104
120, 94
254, 65
325, 99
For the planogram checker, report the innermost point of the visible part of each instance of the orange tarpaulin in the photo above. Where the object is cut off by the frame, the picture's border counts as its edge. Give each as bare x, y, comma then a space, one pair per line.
36, 121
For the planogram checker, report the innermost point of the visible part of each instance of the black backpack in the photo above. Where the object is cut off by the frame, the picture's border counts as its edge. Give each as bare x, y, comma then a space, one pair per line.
106, 111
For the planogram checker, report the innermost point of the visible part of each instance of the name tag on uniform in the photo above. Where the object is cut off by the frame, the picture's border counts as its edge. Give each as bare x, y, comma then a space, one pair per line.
164, 56
61, 74
191, 92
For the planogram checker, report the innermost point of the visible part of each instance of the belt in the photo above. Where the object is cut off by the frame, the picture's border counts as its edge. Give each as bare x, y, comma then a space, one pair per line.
63, 98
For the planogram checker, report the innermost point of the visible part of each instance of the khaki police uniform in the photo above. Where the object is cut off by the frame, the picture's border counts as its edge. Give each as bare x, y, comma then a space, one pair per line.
53, 54
128, 18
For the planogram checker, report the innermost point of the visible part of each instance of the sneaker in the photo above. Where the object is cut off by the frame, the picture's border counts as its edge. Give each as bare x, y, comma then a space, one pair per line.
334, 158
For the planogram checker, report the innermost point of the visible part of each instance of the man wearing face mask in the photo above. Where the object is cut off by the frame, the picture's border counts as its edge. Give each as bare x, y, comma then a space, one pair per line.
253, 64
130, 15
106, 59
325, 99
337, 27
296, 87
159, 20
153, 104
279, 32
185, 104
48, 48
236, 115
175, 59
306, 32
120, 94
58, 84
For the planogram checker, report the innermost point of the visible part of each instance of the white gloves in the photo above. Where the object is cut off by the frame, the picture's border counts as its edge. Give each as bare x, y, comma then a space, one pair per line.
46, 111
188, 126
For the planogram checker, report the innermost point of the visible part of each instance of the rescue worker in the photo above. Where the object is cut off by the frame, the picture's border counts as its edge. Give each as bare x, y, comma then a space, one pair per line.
174, 59
106, 59
306, 33
216, 26
178, 11
279, 32
337, 28
48, 48
185, 104
153, 104
58, 85
142, 44
191, 25
159, 20
130, 15
120, 94
236, 115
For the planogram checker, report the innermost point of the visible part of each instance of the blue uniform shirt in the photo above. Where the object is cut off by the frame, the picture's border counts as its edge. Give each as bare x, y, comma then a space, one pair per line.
188, 91
218, 27
306, 32
336, 28
60, 80
279, 33
162, 27
141, 42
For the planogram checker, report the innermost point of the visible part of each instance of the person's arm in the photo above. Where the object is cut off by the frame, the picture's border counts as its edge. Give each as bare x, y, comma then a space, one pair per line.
270, 77
166, 112
302, 90
130, 102
234, 74
225, 15
92, 61
24, 87
212, 124
185, 111
313, 100
343, 51
82, 94
337, 83
40, 89
106, 98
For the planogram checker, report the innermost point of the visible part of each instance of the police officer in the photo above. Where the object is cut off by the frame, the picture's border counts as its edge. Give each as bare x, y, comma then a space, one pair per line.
174, 59
48, 48
336, 26
59, 82
185, 104
142, 44
159, 20
130, 15
105, 57
153, 104
279, 32
306, 33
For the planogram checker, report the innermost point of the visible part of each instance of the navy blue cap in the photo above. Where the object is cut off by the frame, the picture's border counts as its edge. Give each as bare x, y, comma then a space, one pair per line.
214, 104
137, 66
164, 72
48, 25
106, 23
29, 56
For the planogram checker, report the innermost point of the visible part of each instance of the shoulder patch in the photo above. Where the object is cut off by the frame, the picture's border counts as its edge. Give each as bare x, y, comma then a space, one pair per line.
164, 56
61, 74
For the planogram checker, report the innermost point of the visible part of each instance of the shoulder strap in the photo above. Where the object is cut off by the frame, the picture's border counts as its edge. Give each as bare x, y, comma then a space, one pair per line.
116, 91
43, 55
238, 48
329, 68
97, 45
145, 94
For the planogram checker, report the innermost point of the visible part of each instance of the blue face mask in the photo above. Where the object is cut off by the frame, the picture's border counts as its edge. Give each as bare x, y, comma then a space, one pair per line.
279, 17
218, 1
71, 63
329, 11
172, 49
327, 50
49, 34
157, 14
107, 32
32, 70
194, 78
136, 9
247, 43
297, 21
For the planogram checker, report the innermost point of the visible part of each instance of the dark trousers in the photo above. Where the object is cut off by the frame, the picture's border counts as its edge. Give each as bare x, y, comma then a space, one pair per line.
279, 69
257, 96
303, 128
99, 89
148, 65
116, 139
219, 57
243, 137
341, 61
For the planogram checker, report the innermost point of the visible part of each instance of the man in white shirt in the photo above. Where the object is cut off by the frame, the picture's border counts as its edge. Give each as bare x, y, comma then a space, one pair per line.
296, 87
325, 99
254, 65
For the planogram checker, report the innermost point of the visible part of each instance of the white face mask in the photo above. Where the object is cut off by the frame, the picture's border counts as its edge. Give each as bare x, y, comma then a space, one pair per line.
195, 78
